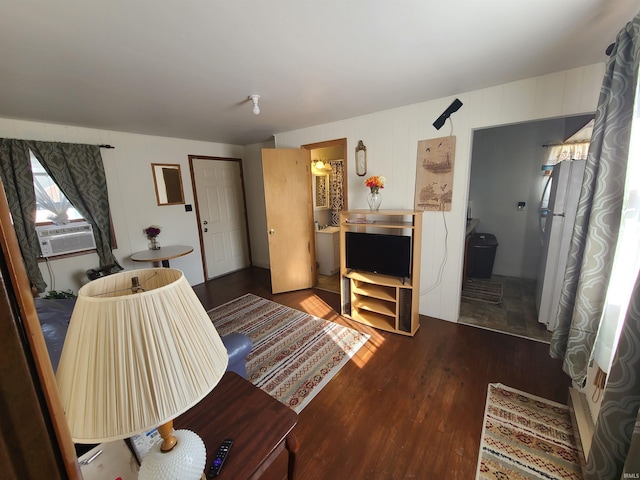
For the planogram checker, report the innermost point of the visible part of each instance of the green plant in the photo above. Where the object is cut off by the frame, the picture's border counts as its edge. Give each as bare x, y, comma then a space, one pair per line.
58, 294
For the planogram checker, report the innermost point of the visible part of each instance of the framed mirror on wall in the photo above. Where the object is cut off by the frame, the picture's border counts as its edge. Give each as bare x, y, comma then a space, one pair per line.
321, 192
167, 179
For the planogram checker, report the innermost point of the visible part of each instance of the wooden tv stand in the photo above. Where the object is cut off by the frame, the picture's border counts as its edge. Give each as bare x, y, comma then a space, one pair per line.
382, 301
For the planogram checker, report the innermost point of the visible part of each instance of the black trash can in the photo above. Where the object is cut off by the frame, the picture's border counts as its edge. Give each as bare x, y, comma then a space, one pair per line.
483, 254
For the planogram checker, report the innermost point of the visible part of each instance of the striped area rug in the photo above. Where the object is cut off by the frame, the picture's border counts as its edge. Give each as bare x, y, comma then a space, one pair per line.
526, 437
294, 354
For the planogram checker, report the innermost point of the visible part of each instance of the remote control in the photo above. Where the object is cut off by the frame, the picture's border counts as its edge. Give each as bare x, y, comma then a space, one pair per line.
218, 460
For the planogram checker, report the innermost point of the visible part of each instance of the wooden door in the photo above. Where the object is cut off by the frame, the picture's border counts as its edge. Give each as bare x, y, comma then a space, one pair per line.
287, 192
36, 438
222, 215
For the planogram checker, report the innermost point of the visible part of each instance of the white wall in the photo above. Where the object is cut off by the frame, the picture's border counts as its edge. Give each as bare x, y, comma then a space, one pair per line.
391, 138
256, 209
131, 194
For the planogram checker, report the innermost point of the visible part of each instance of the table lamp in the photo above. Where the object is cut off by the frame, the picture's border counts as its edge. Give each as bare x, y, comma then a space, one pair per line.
140, 350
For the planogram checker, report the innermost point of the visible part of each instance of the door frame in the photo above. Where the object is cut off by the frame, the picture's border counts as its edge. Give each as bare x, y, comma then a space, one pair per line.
345, 179
335, 143
31, 372
197, 206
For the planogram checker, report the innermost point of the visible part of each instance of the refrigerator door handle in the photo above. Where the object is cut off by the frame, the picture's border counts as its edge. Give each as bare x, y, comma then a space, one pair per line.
543, 212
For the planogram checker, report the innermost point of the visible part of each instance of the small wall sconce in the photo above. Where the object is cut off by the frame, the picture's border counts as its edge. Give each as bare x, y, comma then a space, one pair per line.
320, 168
361, 159
321, 165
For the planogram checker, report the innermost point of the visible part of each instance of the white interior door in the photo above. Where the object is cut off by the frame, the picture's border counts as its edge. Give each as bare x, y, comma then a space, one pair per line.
221, 210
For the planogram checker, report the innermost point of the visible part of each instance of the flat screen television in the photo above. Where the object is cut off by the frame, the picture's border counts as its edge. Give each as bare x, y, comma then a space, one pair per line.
378, 253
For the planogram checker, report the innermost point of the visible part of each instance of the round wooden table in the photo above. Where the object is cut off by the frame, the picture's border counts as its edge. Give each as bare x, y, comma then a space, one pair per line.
163, 255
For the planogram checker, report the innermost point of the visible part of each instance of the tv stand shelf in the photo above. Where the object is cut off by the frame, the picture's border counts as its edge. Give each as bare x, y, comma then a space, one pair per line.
385, 280
381, 301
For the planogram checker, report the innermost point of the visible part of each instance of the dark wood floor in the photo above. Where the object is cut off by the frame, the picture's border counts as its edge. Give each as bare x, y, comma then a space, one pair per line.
403, 408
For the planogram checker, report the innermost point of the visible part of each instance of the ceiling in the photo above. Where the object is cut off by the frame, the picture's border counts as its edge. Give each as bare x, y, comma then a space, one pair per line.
185, 68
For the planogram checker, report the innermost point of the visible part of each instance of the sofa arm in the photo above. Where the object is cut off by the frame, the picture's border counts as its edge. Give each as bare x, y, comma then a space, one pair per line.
238, 347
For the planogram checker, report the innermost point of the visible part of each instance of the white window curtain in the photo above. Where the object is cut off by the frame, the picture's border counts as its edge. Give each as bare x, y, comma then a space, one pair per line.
567, 151
51, 204
626, 262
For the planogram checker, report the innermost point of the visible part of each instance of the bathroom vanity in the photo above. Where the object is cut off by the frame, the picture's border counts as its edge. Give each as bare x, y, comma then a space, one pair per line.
328, 250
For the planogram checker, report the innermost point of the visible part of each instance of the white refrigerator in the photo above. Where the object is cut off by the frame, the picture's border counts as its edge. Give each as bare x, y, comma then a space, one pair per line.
557, 221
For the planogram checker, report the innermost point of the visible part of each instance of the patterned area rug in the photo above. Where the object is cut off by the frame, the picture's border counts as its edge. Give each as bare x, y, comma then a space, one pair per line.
525, 437
482, 291
294, 354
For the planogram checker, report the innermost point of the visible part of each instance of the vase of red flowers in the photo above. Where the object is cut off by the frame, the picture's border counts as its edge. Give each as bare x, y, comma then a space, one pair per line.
374, 198
152, 233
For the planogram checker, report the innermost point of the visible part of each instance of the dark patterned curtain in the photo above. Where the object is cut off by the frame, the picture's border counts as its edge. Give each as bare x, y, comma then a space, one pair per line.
337, 190
78, 172
597, 222
17, 179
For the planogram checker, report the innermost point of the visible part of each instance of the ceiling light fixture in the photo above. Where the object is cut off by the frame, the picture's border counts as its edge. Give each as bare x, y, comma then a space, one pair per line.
254, 99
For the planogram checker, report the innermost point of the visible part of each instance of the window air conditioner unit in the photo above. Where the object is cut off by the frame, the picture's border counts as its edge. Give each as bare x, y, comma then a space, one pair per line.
60, 239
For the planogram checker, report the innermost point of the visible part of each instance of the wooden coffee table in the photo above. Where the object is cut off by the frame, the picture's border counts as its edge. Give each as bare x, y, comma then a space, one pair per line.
261, 428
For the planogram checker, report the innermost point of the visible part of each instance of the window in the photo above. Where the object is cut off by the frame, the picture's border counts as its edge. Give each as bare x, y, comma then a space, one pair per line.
53, 213
51, 204
87, 188
626, 263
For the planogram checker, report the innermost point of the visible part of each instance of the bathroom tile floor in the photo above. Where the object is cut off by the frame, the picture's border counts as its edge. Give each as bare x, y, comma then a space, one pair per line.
515, 315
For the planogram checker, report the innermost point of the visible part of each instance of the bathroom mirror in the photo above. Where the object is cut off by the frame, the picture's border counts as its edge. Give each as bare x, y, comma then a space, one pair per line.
321, 192
168, 181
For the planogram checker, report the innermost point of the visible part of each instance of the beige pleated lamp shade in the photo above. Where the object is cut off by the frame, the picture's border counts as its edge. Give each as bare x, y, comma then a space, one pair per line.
133, 361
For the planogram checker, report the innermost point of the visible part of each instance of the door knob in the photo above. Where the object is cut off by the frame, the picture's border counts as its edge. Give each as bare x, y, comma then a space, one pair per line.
206, 229
205, 223
272, 231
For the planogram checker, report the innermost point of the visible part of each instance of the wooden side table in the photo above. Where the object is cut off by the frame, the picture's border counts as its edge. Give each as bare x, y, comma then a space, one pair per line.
261, 428
163, 255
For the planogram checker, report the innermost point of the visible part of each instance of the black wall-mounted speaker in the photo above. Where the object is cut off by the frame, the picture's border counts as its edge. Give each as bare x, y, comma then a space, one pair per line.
454, 107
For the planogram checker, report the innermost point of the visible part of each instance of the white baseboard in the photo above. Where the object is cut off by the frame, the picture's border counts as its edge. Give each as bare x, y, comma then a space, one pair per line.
583, 427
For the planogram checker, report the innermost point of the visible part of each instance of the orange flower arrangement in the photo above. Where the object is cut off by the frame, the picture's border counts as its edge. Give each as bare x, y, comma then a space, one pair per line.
375, 183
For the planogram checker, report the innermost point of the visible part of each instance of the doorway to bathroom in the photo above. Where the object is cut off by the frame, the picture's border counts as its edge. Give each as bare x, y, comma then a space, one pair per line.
506, 192
329, 193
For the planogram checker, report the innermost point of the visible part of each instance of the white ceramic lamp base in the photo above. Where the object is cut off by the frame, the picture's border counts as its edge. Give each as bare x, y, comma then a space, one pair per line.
186, 461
